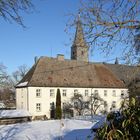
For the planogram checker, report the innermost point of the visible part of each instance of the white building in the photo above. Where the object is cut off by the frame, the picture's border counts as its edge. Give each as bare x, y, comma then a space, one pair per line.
37, 100
37, 90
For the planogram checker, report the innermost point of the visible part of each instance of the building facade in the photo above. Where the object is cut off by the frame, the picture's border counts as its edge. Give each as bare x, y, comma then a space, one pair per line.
38, 100
36, 92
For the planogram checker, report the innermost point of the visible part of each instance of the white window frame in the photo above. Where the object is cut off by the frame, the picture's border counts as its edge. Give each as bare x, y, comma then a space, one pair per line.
122, 93
64, 93
105, 104
52, 105
52, 93
114, 93
96, 92
105, 93
113, 104
38, 93
75, 92
86, 92
38, 107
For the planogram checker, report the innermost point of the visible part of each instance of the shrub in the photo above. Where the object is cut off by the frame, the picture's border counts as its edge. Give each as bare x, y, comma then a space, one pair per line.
125, 126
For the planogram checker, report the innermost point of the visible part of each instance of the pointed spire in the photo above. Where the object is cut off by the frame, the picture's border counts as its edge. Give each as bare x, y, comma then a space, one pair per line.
79, 49
79, 36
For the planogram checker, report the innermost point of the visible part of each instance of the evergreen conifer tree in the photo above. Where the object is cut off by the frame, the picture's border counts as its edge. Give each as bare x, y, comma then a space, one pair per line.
58, 110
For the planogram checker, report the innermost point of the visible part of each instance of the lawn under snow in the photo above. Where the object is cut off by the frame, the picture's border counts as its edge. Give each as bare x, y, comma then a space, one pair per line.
13, 113
48, 130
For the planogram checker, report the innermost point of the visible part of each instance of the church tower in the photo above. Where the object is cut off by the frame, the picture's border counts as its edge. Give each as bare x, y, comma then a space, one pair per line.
79, 49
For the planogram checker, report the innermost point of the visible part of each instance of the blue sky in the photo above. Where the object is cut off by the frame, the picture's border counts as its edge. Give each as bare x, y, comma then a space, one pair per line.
44, 35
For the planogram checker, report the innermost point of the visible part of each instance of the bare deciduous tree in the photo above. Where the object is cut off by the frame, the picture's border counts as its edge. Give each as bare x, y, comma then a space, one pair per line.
7, 96
6, 87
88, 106
79, 104
11, 9
67, 110
19, 73
95, 102
5, 80
3, 75
113, 25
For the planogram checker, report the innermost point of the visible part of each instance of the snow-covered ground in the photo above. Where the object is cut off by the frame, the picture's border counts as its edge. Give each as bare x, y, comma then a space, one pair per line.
48, 130
13, 113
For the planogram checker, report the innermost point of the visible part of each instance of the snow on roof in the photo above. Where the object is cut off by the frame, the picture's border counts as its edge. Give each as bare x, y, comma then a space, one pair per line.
22, 84
13, 113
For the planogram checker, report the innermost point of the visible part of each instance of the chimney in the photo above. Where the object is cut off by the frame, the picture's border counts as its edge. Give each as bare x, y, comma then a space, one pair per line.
60, 57
35, 59
116, 61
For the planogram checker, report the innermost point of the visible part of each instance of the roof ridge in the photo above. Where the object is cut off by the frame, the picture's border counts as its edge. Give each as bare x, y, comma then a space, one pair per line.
121, 65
